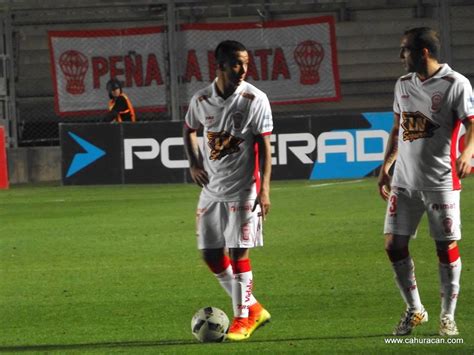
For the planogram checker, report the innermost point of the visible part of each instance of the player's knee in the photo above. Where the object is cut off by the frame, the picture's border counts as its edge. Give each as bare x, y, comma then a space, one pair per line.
390, 242
396, 247
394, 241
238, 253
216, 260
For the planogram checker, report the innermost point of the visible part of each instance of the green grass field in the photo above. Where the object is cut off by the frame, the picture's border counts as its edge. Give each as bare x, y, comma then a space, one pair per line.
115, 269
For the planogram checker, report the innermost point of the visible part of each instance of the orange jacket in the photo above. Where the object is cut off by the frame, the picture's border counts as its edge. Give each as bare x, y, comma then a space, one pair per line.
122, 107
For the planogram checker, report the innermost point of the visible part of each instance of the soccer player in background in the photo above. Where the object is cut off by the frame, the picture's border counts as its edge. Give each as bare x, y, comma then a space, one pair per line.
430, 104
237, 122
120, 106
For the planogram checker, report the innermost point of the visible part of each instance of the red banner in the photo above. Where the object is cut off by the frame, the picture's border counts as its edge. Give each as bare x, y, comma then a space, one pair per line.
83, 61
292, 61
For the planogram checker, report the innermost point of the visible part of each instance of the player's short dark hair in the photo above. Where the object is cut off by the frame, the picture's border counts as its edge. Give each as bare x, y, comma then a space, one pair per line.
226, 49
426, 37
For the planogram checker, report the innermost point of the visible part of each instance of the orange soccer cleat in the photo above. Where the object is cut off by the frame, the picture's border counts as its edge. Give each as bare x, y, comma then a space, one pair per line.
258, 316
239, 329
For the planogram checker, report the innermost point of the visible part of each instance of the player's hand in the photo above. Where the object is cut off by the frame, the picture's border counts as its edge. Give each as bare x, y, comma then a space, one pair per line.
263, 199
463, 165
199, 176
383, 182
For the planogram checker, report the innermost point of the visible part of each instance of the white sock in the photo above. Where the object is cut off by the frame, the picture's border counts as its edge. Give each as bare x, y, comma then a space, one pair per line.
449, 275
225, 280
405, 279
242, 284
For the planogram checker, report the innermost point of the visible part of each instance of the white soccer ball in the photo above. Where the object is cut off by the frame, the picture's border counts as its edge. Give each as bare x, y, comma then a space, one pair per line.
210, 324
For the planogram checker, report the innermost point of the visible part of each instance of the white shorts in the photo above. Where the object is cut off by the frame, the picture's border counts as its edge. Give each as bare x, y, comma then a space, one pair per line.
406, 207
228, 225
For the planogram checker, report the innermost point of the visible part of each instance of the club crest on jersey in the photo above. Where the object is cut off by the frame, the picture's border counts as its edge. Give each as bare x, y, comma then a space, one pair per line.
237, 119
416, 125
448, 226
245, 231
436, 100
222, 143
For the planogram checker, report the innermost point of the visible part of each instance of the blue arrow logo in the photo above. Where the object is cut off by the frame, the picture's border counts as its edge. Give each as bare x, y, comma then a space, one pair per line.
81, 160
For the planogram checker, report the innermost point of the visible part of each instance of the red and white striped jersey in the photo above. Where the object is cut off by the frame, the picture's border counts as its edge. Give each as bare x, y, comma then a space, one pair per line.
431, 113
230, 128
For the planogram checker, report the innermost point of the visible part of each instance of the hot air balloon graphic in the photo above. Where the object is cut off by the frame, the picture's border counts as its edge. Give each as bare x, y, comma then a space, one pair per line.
74, 66
309, 55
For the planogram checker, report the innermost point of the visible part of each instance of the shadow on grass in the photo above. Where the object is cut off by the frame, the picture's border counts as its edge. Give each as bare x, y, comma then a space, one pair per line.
158, 343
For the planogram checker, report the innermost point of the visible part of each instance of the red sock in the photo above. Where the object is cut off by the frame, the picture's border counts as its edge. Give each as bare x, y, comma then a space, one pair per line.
240, 266
448, 256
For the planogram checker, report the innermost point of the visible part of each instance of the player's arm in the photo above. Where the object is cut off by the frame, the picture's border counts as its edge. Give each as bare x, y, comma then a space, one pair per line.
191, 146
120, 105
110, 116
463, 163
264, 194
391, 153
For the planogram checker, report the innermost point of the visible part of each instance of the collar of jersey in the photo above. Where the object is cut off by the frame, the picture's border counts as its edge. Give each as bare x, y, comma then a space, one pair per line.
439, 74
442, 71
237, 91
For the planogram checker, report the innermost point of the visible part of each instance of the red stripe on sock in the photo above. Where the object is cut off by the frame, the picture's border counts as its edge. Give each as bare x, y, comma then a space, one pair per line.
448, 256
397, 254
240, 266
218, 266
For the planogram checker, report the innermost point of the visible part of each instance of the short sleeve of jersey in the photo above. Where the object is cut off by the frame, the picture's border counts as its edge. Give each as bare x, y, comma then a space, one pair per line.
191, 117
262, 116
463, 99
396, 106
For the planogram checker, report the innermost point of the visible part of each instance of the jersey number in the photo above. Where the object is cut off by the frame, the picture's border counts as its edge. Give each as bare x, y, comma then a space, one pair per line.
393, 204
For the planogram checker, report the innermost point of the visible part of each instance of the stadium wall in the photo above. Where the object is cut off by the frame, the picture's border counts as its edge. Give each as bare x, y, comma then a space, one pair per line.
34, 164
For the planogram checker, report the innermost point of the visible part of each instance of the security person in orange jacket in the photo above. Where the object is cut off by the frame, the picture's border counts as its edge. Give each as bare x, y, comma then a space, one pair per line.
120, 106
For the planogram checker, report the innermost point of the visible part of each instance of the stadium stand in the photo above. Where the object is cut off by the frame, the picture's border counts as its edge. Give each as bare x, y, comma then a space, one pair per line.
367, 38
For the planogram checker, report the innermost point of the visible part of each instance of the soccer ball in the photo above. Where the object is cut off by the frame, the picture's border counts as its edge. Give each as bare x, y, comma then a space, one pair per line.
210, 324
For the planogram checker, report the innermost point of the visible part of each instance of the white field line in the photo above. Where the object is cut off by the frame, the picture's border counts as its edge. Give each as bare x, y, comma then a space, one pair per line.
336, 183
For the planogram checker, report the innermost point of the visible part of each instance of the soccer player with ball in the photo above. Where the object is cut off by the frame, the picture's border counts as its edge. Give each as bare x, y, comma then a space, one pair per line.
431, 103
237, 122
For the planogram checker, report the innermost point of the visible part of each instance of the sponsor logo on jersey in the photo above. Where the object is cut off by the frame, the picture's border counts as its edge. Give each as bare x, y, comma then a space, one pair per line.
248, 96
244, 208
405, 96
443, 206
222, 143
416, 125
436, 100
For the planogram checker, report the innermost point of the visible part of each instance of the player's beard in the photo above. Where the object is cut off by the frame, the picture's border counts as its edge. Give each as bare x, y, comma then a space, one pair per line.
237, 80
